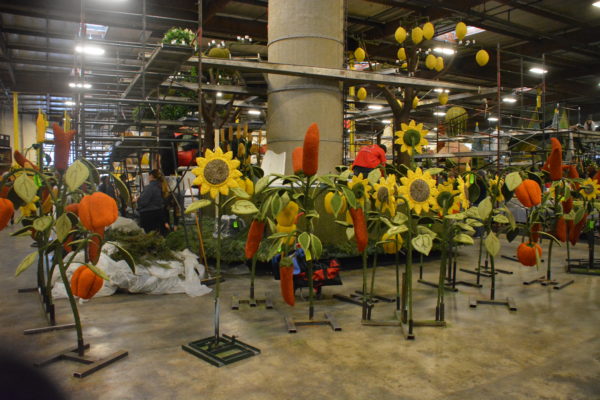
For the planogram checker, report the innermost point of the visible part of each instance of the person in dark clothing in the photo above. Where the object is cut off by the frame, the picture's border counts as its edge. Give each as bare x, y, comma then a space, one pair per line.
107, 187
151, 205
369, 158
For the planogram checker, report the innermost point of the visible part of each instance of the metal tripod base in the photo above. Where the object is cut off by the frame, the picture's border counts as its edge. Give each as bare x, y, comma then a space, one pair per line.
435, 285
482, 273
509, 302
406, 328
292, 323
50, 328
252, 301
91, 364
220, 350
549, 282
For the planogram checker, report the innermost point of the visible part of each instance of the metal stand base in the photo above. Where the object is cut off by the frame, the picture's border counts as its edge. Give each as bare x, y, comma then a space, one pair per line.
377, 297
406, 328
482, 273
252, 302
435, 285
549, 282
471, 284
356, 300
27, 290
50, 328
509, 302
91, 364
221, 350
291, 323
583, 267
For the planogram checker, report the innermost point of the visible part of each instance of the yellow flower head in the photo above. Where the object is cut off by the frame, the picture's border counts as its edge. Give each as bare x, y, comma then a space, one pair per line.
30, 208
361, 188
216, 172
418, 188
385, 191
463, 192
445, 192
589, 189
411, 138
496, 187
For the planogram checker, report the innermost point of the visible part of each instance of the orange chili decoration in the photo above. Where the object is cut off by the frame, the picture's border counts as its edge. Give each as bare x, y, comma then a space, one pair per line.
23, 161
535, 231
255, 235
297, 159
7, 210
573, 173
567, 205
526, 253
96, 212
73, 208
310, 152
554, 162
561, 229
360, 228
286, 283
597, 177
575, 231
85, 283
529, 193
62, 147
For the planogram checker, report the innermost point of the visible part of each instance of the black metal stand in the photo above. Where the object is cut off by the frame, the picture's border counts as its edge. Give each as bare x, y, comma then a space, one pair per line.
292, 323
547, 280
252, 301
220, 350
582, 266
508, 302
92, 365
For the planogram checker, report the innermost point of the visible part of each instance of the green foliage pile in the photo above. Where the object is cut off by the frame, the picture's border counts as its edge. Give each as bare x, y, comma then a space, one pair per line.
145, 248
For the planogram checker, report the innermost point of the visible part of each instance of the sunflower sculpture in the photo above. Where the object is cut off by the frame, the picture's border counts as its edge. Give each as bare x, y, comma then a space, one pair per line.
361, 188
445, 192
496, 188
418, 188
216, 172
411, 138
463, 192
589, 189
385, 194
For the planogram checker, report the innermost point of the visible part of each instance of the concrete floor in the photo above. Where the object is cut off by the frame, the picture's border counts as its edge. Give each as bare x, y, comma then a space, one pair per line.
548, 349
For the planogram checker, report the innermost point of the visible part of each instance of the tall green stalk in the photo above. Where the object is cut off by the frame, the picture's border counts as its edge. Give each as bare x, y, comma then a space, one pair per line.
364, 285
218, 269
549, 270
373, 271
58, 254
442, 274
309, 229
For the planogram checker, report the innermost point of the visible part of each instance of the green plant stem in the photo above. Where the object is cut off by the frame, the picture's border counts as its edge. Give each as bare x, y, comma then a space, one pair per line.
549, 270
364, 284
63, 274
409, 255
373, 271
252, 276
311, 292
443, 262
493, 285
397, 261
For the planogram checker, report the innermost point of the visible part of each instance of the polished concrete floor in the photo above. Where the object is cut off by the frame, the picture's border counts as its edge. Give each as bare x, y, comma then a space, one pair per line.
548, 349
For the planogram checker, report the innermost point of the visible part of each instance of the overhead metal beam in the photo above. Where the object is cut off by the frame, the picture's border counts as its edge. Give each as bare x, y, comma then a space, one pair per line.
331, 73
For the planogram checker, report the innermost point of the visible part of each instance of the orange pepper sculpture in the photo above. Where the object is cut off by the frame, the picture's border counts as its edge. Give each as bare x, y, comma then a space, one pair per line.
554, 162
96, 212
310, 152
360, 228
7, 210
297, 159
529, 193
526, 253
85, 283
255, 235
62, 147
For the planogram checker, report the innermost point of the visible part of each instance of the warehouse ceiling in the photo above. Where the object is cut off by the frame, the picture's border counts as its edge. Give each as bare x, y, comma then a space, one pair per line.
38, 40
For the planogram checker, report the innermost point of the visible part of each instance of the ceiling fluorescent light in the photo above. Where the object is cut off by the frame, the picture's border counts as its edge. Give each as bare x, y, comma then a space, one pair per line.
444, 50
90, 50
509, 100
537, 70
596, 4
69, 103
439, 113
219, 94
493, 119
375, 107
440, 90
386, 121
254, 112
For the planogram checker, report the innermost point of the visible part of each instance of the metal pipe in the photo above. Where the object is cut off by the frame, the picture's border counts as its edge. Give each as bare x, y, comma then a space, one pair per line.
498, 99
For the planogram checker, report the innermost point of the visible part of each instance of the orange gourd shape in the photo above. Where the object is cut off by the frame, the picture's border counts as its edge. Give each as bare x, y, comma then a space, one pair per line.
85, 283
561, 229
554, 162
575, 231
297, 160
255, 235
286, 283
7, 210
310, 152
529, 193
96, 212
360, 228
526, 253
62, 147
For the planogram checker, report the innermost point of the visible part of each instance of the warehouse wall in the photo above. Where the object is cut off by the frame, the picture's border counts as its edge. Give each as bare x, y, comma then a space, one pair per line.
26, 127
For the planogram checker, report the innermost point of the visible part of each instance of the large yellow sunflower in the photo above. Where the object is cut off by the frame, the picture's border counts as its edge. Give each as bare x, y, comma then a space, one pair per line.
589, 189
216, 172
445, 191
385, 191
418, 188
411, 137
496, 187
361, 188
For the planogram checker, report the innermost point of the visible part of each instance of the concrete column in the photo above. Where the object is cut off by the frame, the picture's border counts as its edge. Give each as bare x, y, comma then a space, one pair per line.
306, 32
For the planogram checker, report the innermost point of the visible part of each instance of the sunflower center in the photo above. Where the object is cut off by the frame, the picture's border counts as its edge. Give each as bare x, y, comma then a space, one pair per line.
443, 199
588, 189
419, 190
383, 194
412, 137
216, 172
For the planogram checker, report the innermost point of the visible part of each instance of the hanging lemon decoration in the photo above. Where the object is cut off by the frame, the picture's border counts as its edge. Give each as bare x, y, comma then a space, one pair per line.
415, 102
461, 30
439, 64
416, 35
482, 57
430, 61
428, 30
361, 94
400, 34
359, 54
443, 98
401, 54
